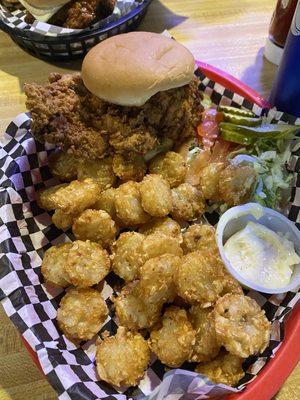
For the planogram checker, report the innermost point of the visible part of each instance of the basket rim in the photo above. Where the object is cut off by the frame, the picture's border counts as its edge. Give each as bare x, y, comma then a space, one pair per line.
39, 37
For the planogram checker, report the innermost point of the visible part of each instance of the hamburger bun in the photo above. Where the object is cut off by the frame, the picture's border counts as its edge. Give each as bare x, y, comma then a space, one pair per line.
47, 3
128, 69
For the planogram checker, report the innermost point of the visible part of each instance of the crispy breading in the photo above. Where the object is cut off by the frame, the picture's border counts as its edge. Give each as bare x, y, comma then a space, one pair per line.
122, 359
156, 197
81, 313
53, 265
166, 225
87, 264
63, 166
131, 167
173, 341
226, 369
171, 166
95, 225
127, 256
206, 346
200, 237
241, 326
100, 171
188, 202
65, 113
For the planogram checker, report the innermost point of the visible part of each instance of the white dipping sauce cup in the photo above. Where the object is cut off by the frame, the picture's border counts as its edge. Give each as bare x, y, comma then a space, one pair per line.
236, 218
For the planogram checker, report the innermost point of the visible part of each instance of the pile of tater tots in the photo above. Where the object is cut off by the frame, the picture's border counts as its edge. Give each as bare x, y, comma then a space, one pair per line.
143, 223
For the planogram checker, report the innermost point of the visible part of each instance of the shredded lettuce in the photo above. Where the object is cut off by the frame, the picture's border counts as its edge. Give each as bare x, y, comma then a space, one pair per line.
269, 159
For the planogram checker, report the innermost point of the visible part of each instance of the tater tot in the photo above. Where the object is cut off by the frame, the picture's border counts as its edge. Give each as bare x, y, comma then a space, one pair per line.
226, 369
200, 278
63, 166
166, 225
236, 184
99, 170
127, 255
62, 220
200, 237
156, 196
209, 181
158, 244
156, 278
106, 202
133, 310
241, 326
81, 313
53, 265
188, 203
76, 196
206, 346
170, 166
132, 168
122, 359
95, 225
173, 341
87, 264
128, 205
46, 198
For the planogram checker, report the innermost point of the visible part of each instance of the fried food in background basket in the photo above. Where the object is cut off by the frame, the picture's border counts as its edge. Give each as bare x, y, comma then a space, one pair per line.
74, 14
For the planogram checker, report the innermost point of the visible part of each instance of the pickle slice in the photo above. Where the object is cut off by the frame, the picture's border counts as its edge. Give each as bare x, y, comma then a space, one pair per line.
266, 131
241, 119
236, 111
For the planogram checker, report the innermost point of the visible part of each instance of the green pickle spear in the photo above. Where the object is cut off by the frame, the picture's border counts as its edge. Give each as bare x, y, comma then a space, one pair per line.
236, 111
241, 119
247, 134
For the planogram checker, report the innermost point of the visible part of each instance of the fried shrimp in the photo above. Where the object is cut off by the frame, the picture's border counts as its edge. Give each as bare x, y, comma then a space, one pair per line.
127, 255
95, 225
100, 171
171, 166
87, 264
53, 265
156, 196
226, 369
188, 203
206, 346
46, 198
81, 313
75, 197
209, 181
166, 226
200, 277
241, 326
132, 168
173, 341
200, 237
62, 220
133, 310
236, 184
63, 166
156, 278
122, 359
157, 244
128, 204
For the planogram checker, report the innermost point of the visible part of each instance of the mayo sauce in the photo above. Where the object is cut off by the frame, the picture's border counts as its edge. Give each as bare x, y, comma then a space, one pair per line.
262, 256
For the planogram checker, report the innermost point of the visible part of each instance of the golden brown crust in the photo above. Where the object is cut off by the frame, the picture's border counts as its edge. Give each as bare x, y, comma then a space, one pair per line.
122, 359
171, 166
156, 197
81, 313
188, 202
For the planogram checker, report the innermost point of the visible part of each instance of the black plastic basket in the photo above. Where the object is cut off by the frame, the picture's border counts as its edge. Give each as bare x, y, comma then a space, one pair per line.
73, 46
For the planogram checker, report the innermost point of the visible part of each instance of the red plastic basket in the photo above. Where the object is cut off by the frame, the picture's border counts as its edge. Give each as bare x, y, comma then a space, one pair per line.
273, 375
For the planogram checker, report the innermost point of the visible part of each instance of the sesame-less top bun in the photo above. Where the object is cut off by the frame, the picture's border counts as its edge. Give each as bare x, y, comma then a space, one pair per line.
47, 3
130, 68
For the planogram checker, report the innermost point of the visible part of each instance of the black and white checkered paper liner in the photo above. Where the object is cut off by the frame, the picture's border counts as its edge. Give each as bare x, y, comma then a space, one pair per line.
15, 19
26, 232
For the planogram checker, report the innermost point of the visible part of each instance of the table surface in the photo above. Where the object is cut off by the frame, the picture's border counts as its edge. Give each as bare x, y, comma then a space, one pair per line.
228, 34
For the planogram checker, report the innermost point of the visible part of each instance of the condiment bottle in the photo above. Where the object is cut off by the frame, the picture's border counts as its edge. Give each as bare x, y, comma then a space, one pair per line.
279, 29
285, 94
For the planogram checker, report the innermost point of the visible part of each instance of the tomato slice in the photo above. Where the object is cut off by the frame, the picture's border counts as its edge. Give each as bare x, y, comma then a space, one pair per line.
208, 130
